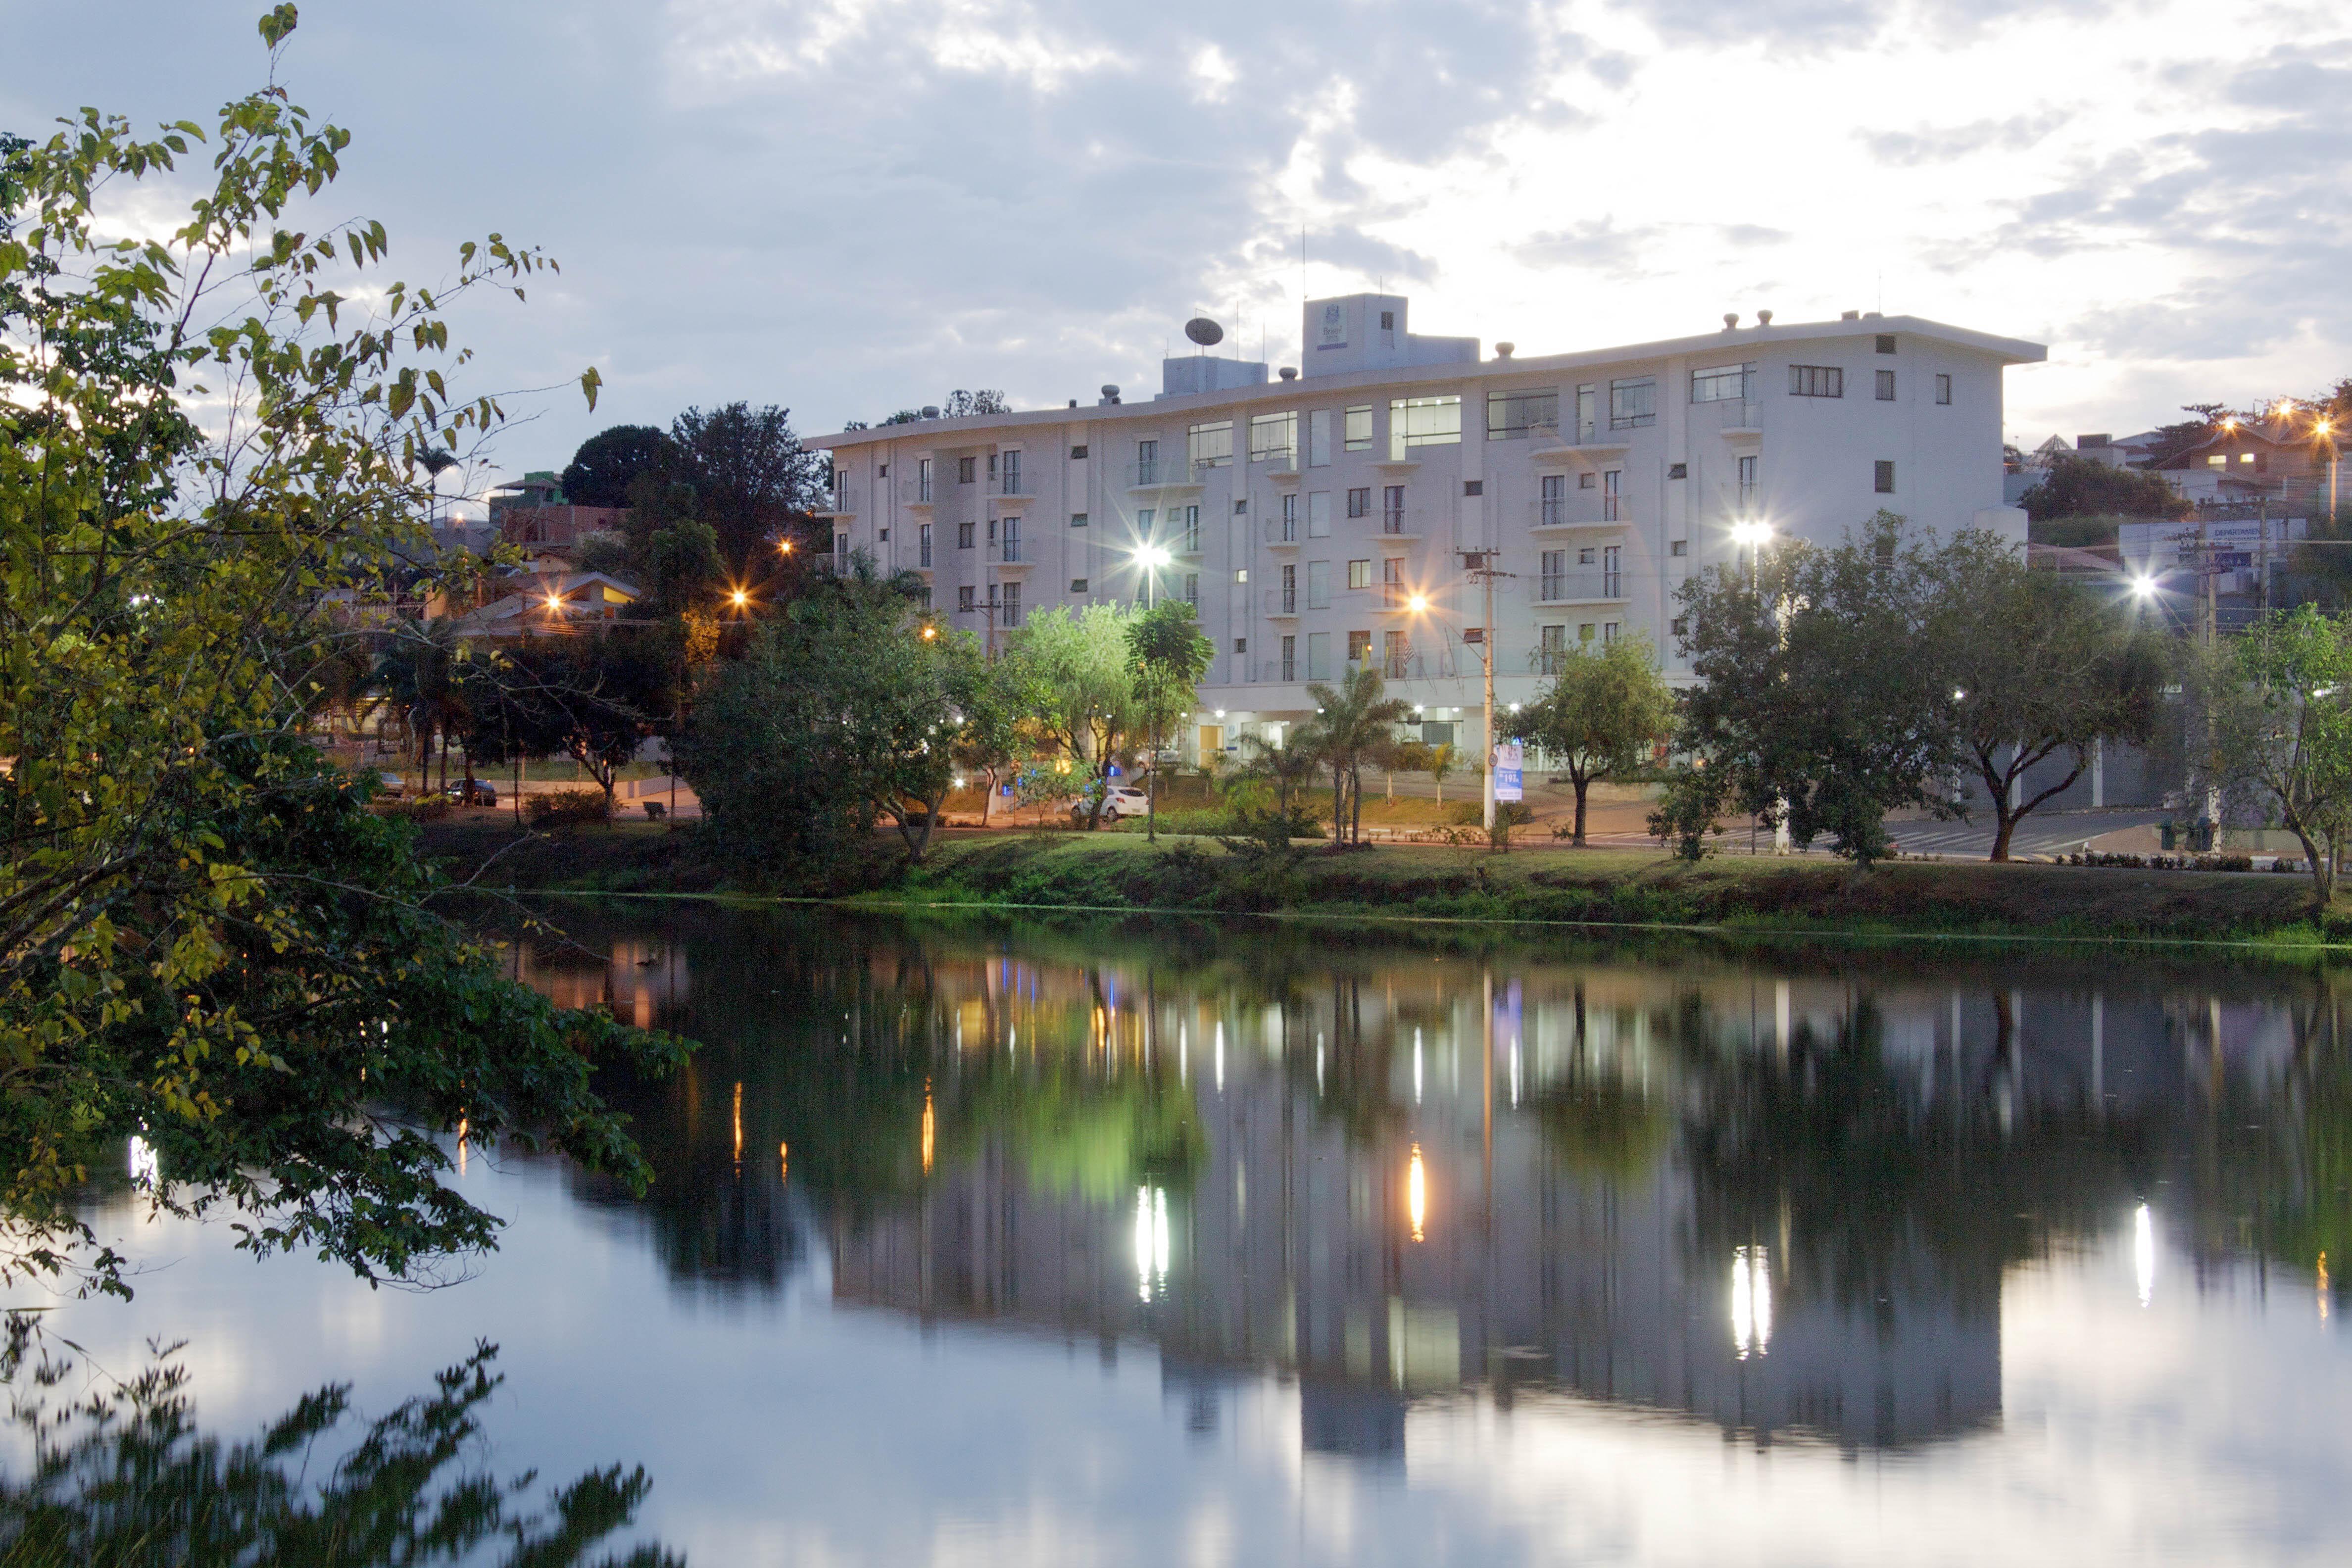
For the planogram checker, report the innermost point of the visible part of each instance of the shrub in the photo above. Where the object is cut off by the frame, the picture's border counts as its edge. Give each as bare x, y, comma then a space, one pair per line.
564, 805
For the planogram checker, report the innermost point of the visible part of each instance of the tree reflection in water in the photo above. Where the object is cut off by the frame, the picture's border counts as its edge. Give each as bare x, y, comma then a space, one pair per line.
124, 1476
1777, 1189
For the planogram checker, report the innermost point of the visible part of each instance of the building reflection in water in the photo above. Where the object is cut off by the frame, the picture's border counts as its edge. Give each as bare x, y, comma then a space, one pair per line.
1778, 1194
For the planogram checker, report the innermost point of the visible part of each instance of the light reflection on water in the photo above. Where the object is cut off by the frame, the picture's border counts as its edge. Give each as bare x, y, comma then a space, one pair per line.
1630, 1254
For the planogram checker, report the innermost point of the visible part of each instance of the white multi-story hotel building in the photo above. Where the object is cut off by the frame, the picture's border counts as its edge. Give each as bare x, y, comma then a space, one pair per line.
1320, 518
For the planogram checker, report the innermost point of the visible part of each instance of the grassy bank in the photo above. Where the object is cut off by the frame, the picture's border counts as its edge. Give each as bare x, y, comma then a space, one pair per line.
1062, 869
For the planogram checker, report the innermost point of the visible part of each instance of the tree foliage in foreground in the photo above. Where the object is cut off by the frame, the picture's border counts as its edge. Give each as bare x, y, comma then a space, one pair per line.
2276, 712
206, 939
127, 1475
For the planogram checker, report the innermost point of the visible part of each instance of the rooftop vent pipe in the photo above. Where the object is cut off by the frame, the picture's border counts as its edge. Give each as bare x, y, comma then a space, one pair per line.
1763, 318
1505, 350
1731, 321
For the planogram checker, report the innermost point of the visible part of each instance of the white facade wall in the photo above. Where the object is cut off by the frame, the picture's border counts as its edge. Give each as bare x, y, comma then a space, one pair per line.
1814, 464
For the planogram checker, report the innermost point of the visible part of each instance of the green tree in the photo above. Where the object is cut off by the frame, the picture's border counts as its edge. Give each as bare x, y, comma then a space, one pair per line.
1818, 701
840, 713
420, 676
608, 462
988, 741
206, 938
2277, 702
753, 483
2085, 487
682, 567
1604, 712
2039, 666
1075, 692
1168, 658
1289, 769
1352, 724
594, 698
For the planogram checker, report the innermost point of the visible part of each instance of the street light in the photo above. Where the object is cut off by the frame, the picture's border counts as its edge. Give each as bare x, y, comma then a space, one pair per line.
1754, 533
1417, 603
1151, 558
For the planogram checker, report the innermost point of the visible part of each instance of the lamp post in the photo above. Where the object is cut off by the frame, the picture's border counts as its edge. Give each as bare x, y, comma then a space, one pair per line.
1480, 564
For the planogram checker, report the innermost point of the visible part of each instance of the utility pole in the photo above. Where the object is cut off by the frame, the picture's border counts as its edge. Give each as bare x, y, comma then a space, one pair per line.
1479, 563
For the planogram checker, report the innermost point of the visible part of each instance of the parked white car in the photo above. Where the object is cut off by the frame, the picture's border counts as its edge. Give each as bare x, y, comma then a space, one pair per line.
1124, 801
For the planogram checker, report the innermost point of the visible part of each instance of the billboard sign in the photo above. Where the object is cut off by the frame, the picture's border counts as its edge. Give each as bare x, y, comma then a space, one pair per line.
1509, 756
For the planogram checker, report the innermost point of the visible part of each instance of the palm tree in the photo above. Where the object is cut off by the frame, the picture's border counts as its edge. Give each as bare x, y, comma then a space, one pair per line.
419, 676
1352, 722
1287, 768
435, 462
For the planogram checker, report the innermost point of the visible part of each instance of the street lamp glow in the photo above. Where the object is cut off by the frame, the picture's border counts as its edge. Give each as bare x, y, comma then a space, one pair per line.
1751, 533
1417, 603
738, 599
784, 546
1153, 555
2143, 587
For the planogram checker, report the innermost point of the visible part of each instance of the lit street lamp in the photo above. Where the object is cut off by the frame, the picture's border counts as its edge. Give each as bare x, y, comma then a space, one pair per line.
1753, 534
1151, 558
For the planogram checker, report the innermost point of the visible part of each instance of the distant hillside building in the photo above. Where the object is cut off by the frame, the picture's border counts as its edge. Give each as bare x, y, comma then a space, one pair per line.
531, 511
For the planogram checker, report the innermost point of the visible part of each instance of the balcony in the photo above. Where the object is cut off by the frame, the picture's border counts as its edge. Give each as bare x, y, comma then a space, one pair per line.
1281, 533
1165, 474
1402, 526
1008, 556
1281, 603
1735, 418
840, 501
1575, 443
1581, 585
1582, 509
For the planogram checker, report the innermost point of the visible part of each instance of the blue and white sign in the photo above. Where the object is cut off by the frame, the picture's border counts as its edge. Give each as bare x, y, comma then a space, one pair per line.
1509, 758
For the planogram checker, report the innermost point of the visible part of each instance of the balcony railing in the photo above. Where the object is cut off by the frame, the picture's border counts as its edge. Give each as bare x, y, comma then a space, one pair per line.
1726, 414
1162, 471
1009, 482
926, 562
1282, 600
1006, 551
1583, 582
1579, 508
1282, 531
841, 501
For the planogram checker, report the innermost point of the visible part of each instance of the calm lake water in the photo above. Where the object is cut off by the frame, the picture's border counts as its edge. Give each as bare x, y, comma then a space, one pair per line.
1144, 1244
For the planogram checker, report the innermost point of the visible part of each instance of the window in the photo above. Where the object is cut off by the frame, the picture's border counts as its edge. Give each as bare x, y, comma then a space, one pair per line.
884, 535
1748, 483
1678, 470
1587, 402
1678, 547
1392, 508
1319, 514
1816, 381
992, 531
991, 465
925, 543
1424, 422
1240, 509
1553, 642
1011, 474
1587, 480
926, 595
1611, 501
1012, 539
1273, 438
964, 597
1633, 403
1552, 510
1077, 585
1290, 519
1008, 603
1680, 626
1882, 478
1360, 573
1078, 519
1291, 659
1474, 487
1359, 647
922, 479
1885, 379
1187, 518
1555, 578
1724, 383
1242, 576
1211, 446
2217, 461
1942, 388
1358, 428
1148, 470
1584, 556
1318, 584
1319, 656
1318, 438
1193, 589
1240, 645
1608, 631
883, 472
1359, 501
1396, 656
1078, 452
1887, 343
1584, 632
1514, 414
1613, 582
966, 469
965, 532
1143, 519
1387, 320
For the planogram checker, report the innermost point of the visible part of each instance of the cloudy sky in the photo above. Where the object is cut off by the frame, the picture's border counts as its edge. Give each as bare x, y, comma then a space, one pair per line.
850, 206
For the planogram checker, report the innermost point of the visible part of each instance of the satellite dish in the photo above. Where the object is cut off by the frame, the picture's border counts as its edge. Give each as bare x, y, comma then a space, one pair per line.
1205, 332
